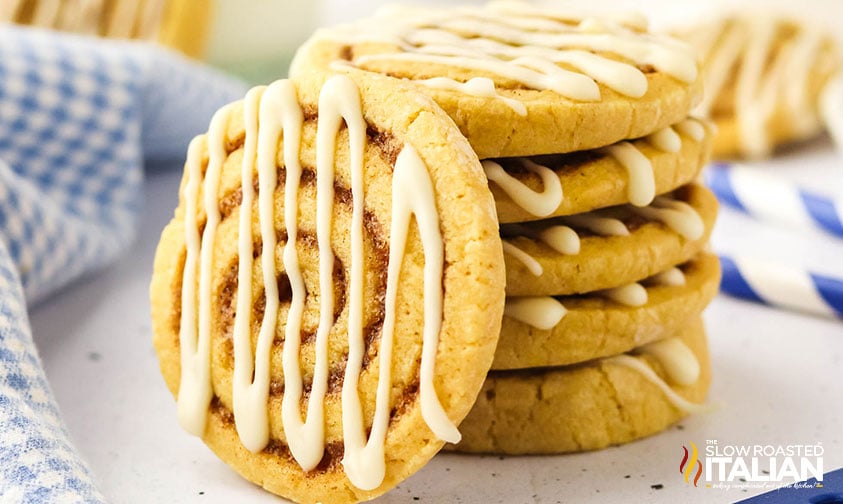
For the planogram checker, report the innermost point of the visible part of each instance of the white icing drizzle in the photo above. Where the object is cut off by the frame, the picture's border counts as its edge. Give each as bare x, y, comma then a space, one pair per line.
541, 312
648, 373
603, 226
760, 86
195, 337
633, 294
679, 362
476, 86
672, 277
413, 194
526, 259
642, 184
269, 112
677, 215
252, 429
691, 128
562, 239
280, 111
540, 204
665, 139
525, 45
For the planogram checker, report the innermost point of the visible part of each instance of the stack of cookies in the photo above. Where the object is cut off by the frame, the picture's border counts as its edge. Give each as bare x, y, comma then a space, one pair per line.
582, 125
470, 226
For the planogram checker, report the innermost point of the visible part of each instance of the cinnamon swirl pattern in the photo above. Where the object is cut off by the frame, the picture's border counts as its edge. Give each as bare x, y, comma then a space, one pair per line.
309, 283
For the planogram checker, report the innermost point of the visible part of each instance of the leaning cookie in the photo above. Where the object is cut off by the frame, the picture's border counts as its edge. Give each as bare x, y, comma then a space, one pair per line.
763, 77
521, 80
540, 331
609, 247
594, 405
327, 299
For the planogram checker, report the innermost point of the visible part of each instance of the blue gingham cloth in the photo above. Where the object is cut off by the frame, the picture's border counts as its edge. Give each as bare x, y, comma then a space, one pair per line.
79, 118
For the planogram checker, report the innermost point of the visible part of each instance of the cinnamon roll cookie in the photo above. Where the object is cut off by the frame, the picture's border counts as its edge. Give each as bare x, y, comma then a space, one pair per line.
541, 331
609, 247
592, 405
763, 77
327, 299
521, 80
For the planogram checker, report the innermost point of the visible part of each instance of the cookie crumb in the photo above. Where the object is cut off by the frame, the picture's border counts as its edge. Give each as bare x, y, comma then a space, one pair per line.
657, 486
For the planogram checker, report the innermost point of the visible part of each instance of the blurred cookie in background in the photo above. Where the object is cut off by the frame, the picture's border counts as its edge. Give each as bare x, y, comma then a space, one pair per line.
763, 78
181, 24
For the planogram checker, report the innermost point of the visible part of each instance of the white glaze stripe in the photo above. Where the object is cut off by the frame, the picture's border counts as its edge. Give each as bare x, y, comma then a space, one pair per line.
691, 128
665, 139
540, 204
668, 278
195, 385
677, 215
648, 373
679, 362
412, 195
541, 312
477, 86
253, 430
633, 294
280, 112
641, 188
603, 226
526, 259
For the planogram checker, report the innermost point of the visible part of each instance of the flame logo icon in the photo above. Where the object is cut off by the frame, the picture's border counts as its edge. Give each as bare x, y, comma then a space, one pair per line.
689, 460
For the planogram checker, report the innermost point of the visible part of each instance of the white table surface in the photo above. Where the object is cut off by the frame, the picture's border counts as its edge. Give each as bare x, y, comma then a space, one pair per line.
777, 375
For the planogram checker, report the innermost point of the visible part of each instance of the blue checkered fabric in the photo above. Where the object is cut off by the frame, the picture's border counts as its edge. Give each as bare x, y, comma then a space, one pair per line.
79, 118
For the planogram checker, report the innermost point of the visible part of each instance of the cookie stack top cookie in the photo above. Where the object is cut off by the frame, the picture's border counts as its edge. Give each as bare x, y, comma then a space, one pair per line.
519, 80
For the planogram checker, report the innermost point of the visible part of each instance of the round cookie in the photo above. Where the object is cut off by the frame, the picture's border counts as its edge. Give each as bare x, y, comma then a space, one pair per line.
763, 78
542, 258
528, 189
324, 316
591, 406
594, 325
520, 80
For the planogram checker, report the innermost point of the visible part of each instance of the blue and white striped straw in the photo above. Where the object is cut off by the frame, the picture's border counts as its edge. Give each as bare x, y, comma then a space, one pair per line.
772, 198
782, 286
